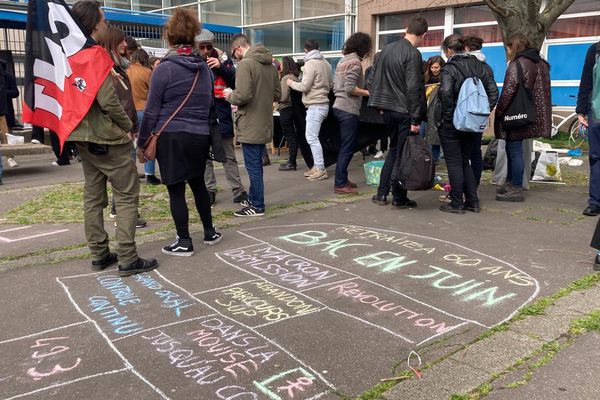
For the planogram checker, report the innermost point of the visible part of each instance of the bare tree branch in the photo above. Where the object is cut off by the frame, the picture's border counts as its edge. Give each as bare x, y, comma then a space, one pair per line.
497, 8
533, 10
553, 10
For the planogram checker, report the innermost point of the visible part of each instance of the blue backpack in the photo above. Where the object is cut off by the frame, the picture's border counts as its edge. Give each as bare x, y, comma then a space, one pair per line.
472, 107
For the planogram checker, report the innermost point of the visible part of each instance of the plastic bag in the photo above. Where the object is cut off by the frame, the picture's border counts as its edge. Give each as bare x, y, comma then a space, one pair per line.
547, 167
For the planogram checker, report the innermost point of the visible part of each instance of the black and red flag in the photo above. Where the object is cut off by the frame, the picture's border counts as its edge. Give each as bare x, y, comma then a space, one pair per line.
64, 68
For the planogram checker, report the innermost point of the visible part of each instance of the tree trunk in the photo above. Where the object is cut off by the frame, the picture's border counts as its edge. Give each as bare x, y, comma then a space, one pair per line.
533, 18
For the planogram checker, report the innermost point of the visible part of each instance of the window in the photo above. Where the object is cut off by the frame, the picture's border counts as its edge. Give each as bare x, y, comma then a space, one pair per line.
334, 63
400, 21
146, 5
123, 4
278, 38
224, 12
329, 32
173, 3
472, 14
193, 7
583, 6
260, 11
316, 8
489, 33
575, 27
433, 38
384, 40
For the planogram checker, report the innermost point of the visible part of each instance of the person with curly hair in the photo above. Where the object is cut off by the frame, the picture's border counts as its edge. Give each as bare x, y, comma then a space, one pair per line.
348, 88
183, 147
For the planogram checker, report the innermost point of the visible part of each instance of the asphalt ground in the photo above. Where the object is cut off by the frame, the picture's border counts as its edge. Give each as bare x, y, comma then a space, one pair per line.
319, 303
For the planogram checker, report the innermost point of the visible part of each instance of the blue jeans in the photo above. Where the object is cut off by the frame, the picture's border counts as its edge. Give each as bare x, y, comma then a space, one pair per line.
315, 115
436, 151
149, 166
515, 162
594, 140
253, 154
348, 131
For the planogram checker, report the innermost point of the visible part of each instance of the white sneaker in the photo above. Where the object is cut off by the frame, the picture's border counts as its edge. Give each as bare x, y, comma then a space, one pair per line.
379, 154
55, 163
318, 175
12, 162
35, 141
309, 172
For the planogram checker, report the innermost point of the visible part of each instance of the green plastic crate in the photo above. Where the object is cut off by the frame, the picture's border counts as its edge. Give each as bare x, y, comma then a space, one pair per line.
373, 171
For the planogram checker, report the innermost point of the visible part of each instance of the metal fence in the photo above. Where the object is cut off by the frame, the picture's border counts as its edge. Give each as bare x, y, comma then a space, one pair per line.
13, 40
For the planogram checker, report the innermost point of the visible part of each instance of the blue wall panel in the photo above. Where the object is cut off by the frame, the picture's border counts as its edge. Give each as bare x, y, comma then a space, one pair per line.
496, 58
428, 54
566, 60
561, 95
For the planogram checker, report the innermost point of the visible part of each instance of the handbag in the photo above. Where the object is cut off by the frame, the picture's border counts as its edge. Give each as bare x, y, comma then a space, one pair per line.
521, 112
150, 145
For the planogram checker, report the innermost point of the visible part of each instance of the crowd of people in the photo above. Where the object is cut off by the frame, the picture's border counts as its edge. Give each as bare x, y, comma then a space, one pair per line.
198, 93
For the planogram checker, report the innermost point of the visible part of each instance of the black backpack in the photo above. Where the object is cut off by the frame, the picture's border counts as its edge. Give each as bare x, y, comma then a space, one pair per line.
415, 170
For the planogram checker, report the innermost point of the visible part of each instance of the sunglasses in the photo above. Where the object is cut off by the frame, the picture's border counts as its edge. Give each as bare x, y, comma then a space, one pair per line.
205, 46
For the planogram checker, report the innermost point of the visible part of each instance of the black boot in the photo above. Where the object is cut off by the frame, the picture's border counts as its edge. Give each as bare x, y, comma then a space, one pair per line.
106, 262
287, 167
138, 266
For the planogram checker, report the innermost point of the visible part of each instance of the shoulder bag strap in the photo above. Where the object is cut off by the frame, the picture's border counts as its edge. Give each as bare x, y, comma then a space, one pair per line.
521, 75
162, 128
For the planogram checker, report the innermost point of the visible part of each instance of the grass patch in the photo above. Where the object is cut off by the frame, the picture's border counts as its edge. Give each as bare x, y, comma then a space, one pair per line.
574, 176
64, 204
588, 323
61, 204
377, 391
561, 141
539, 306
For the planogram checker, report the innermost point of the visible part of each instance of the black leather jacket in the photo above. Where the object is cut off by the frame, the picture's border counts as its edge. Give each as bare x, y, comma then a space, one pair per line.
454, 73
397, 82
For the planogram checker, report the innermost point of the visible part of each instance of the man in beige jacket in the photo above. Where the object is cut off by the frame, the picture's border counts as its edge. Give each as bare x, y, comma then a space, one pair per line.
317, 81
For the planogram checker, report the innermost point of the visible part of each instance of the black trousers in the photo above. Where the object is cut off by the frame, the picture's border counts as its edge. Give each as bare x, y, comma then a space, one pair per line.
179, 208
476, 157
458, 147
64, 157
398, 127
300, 124
286, 119
596, 238
37, 132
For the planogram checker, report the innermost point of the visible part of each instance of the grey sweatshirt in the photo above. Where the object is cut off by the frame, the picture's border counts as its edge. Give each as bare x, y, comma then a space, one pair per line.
348, 76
